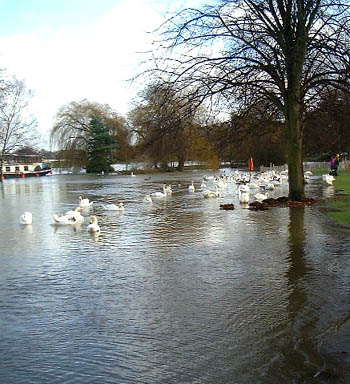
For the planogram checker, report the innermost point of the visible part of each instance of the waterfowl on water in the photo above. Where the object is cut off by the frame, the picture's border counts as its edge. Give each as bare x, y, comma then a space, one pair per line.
26, 218
114, 207
76, 214
168, 190
261, 196
64, 220
159, 194
85, 202
328, 179
93, 226
211, 194
147, 199
191, 187
244, 196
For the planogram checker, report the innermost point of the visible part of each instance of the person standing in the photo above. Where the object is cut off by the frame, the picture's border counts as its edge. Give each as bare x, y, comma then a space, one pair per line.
336, 164
250, 164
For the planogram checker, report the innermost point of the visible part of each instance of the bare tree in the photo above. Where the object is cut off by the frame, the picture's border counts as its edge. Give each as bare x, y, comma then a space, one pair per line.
244, 51
327, 125
163, 125
17, 125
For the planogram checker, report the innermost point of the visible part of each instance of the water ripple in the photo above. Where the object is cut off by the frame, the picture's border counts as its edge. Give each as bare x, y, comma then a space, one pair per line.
174, 291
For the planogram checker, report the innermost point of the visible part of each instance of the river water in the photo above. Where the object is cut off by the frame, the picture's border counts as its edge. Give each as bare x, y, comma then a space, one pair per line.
177, 291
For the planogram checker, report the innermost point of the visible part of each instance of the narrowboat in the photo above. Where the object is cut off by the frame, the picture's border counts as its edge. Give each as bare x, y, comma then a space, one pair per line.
22, 166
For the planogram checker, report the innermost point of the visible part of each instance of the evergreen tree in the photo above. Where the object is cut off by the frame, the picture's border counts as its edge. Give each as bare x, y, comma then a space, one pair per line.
100, 146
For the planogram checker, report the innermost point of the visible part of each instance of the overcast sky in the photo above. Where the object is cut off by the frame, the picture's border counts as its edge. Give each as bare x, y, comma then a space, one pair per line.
67, 50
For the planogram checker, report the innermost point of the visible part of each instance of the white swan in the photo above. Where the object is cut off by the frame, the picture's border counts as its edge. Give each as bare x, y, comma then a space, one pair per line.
217, 192
85, 202
211, 194
191, 187
261, 196
147, 199
168, 190
93, 226
244, 197
64, 220
253, 185
114, 207
132, 174
328, 179
267, 186
221, 183
76, 214
208, 194
26, 218
243, 188
120, 207
159, 194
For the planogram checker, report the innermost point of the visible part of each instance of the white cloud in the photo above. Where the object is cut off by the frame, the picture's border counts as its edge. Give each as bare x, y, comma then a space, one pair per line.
92, 62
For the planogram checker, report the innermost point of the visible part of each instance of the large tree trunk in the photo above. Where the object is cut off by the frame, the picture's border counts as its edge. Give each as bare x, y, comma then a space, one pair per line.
295, 150
181, 165
1, 165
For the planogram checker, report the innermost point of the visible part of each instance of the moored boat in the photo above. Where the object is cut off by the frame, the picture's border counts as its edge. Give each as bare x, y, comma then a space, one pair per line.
22, 166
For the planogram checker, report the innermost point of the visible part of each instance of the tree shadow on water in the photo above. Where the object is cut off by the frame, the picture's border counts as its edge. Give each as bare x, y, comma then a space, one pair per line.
301, 358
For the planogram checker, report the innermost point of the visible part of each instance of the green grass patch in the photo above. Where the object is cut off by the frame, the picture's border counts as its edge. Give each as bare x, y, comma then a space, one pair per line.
342, 182
319, 171
341, 217
339, 203
339, 207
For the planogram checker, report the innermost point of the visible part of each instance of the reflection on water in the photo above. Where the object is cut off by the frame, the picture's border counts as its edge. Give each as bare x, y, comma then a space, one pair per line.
177, 291
302, 350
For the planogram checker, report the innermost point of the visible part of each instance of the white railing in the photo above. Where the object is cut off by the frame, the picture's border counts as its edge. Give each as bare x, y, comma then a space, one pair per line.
308, 166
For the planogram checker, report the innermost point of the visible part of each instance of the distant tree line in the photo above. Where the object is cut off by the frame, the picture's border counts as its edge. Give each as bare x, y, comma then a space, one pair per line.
157, 132
161, 133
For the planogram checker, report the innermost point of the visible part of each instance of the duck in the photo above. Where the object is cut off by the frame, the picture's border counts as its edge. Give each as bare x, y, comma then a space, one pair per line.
64, 220
26, 218
85, 202
147, 199
114, 207
93, 226
261, 196
191, 187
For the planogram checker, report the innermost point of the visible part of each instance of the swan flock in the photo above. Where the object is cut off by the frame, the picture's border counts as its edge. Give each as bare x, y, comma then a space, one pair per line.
249, 187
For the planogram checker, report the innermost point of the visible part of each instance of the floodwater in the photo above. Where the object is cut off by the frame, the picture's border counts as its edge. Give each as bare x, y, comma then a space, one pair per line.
177, 291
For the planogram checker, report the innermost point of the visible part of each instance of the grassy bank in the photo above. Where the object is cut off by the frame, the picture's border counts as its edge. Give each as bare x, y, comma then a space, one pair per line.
338, 208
